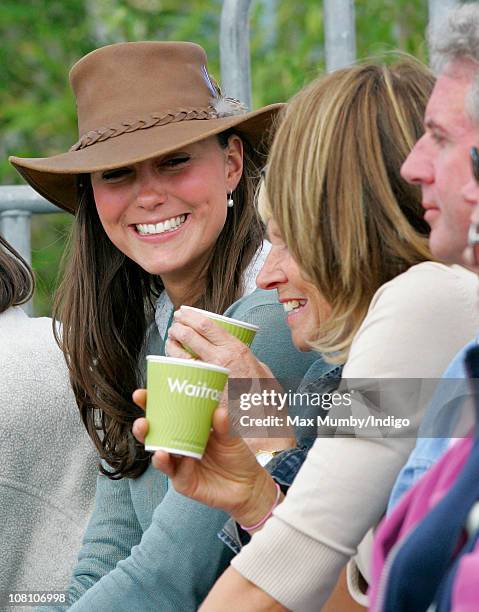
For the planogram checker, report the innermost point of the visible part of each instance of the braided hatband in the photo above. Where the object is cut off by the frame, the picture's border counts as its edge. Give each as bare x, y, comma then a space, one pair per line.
148, 121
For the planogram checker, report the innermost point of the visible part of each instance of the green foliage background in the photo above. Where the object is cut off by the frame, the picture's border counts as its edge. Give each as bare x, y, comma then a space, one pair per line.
41, 39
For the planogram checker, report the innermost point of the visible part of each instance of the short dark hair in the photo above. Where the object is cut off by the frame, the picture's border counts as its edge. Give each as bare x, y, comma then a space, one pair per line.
16, 277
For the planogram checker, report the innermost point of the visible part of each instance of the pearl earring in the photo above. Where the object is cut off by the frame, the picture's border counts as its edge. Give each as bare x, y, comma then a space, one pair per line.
230, 202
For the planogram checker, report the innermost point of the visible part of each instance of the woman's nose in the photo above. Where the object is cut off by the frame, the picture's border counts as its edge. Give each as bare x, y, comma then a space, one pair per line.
151, 189
271, 275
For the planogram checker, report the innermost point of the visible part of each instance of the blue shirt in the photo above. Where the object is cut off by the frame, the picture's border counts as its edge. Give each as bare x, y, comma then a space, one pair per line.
440, 417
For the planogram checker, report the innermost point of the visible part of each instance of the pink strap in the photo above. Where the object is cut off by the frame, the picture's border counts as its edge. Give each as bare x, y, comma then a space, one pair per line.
267, 515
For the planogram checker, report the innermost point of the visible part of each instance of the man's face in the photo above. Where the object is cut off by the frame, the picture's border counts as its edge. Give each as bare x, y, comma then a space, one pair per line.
440, 162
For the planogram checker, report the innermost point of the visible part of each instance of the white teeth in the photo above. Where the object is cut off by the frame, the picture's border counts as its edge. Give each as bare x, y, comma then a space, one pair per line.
293, 304
160, 228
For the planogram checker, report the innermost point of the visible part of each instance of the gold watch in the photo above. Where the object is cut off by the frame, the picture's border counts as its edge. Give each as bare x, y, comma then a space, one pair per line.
264, 456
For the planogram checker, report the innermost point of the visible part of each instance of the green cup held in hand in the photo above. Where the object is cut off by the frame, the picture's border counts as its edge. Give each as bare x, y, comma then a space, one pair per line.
182, 395
243, 331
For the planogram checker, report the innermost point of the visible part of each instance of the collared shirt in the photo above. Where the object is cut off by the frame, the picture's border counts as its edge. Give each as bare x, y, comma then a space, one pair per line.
440, 418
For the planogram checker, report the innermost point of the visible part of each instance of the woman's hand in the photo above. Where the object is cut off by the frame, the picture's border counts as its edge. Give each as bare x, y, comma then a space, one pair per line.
212, 344
227, 477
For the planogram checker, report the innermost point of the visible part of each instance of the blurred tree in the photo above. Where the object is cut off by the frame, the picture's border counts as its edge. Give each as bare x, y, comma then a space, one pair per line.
41, 39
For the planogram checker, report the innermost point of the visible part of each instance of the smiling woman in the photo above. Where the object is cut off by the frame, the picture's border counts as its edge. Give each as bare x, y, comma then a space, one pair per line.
139, 204
161, 182
305, 307
351, 264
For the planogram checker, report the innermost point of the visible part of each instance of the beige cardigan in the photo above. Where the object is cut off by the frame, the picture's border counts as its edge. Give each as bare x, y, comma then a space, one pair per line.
416, 323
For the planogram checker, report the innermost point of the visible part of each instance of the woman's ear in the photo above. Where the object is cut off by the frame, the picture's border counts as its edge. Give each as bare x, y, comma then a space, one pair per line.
234, 162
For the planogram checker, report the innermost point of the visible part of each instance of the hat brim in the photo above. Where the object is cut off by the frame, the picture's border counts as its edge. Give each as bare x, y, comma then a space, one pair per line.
55, 178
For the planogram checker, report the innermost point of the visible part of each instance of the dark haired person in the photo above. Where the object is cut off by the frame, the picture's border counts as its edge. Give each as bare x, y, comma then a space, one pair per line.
161, 182
47, 470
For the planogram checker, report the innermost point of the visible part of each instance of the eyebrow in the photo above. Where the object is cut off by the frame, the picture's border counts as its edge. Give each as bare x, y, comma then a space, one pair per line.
430, 124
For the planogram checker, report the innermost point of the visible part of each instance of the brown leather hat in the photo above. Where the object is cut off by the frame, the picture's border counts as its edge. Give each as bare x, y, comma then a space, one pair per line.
136, 101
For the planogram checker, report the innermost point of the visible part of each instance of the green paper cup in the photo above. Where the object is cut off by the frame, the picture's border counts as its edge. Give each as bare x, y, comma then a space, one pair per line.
239, 329
182, 396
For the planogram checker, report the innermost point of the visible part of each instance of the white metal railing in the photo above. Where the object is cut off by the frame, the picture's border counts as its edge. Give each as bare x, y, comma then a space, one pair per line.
339, 33
17, 204
234, 50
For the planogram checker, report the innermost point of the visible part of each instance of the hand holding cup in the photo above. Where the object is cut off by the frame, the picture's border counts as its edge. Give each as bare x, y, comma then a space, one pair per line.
213, 344
227, 477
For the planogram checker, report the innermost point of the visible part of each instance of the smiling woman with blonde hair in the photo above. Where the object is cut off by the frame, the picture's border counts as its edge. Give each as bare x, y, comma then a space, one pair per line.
351, 265
349, 194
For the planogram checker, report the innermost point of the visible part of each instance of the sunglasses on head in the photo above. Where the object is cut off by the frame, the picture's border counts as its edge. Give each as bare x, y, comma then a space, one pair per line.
475, 163
473, 235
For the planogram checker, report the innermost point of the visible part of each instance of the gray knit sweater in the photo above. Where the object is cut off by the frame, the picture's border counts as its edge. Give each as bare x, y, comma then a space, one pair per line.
48, 465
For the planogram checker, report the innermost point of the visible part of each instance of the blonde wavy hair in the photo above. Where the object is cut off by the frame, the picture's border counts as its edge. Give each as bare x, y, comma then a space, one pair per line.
335, 191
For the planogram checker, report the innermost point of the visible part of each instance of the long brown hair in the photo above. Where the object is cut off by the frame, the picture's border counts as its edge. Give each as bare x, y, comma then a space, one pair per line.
16, 277
105, 304
334, 186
